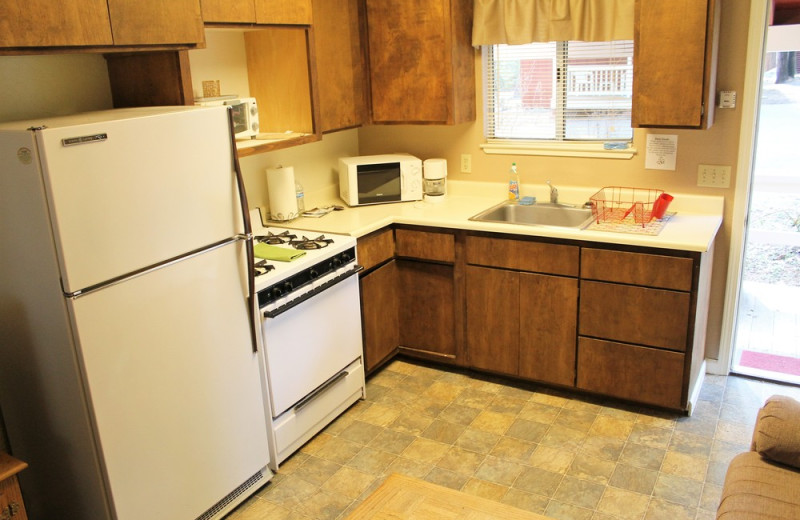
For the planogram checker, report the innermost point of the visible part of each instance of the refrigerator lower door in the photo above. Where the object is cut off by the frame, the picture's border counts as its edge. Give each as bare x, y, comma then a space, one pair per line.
175, 388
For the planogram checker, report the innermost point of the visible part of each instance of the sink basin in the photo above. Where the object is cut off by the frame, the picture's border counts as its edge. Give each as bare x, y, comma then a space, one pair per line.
561, 215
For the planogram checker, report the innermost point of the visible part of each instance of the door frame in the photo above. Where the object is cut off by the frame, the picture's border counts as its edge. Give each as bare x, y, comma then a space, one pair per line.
751, 96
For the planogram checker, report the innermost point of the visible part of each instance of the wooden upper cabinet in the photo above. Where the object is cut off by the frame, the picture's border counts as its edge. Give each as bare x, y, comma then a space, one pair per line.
284, 12
38, 23
340, 64
674, 63
268, 12
100, 23
149, 22
229, 11
421, 61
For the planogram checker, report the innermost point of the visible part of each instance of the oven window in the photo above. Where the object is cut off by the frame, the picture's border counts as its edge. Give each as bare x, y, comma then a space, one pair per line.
379, 183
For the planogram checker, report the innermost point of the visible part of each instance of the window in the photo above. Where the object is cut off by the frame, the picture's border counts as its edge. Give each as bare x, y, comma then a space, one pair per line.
559, 91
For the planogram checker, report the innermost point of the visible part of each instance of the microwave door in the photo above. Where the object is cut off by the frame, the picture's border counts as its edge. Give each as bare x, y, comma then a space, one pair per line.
379, 183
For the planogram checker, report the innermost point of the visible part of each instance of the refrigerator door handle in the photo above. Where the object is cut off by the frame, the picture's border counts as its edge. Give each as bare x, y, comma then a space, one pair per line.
248, 231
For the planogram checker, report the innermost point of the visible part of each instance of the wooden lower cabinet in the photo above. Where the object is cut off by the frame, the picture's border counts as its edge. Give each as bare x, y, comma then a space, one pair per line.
641, 374
652, 317
522, 324
492, 319
426, 309
379, 313
549, 313
11, 504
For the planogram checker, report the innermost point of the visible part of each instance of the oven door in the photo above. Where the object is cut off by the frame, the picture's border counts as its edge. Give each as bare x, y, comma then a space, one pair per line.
311, 342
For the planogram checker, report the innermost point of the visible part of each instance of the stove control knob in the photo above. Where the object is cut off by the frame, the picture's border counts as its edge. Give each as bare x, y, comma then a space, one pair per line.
313, 274
336, 262
288, 287
276, 292
346, 257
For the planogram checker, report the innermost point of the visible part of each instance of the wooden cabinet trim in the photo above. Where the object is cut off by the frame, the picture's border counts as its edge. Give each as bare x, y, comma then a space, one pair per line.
426, 245
666, 272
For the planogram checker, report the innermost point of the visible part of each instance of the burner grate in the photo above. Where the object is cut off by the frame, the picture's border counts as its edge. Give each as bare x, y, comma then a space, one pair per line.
262, 267
271, 238
306, 243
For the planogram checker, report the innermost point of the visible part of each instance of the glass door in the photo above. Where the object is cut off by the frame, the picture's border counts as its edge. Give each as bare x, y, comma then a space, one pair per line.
767, 339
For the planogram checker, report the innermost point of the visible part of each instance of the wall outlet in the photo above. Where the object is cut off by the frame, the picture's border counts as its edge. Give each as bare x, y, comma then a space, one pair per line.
466, 163
713, 176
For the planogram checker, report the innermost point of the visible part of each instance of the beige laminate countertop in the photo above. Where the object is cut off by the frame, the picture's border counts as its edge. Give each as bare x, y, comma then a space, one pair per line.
693, 227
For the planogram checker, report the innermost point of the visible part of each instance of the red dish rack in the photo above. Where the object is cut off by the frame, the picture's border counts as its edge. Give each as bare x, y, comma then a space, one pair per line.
615, 203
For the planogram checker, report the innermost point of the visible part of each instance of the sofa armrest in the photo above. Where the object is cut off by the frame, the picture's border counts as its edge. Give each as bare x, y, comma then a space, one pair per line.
776, 435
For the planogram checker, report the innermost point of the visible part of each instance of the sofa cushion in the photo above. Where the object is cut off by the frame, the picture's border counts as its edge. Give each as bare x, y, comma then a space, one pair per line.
756, 488
777, 431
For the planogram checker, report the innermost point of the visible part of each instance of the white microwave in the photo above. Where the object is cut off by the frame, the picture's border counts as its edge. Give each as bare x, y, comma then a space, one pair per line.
378, 179
244, 111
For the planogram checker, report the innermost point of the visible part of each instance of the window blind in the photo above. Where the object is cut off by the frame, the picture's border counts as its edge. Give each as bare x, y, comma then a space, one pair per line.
559, 90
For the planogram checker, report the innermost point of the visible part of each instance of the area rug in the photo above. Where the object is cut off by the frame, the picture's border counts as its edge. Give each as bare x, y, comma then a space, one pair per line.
401, 497
770, 362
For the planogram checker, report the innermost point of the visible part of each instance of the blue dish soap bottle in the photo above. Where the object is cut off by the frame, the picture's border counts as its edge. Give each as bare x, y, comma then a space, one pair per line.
513, 184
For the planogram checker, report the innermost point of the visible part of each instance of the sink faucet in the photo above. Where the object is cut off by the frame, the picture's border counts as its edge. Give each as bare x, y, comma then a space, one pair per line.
553, 193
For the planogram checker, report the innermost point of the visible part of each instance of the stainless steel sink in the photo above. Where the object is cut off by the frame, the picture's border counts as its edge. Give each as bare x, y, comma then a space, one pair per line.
561, 215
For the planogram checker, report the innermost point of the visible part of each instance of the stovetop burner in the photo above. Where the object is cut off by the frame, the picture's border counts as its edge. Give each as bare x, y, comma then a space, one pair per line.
262, 267
283, 237
311, 243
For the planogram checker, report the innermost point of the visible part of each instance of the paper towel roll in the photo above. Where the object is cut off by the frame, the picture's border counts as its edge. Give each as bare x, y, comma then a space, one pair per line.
282, 197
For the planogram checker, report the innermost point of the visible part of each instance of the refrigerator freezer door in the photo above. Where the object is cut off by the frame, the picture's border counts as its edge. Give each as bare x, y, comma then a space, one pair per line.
175, 386
152, 186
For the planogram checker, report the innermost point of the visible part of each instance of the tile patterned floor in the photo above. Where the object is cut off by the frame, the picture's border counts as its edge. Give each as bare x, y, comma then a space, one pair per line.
555, 453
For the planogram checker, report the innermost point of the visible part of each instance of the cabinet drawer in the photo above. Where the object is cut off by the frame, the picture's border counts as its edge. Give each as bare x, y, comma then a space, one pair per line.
523, 255
425, 245
653, 317
375, 248
665, 272
637, 373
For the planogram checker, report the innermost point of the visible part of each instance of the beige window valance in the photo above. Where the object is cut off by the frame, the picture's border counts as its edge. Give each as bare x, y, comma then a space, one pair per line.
524, 21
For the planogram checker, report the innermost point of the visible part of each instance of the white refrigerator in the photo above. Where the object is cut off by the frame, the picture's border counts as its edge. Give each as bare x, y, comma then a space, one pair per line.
131, 380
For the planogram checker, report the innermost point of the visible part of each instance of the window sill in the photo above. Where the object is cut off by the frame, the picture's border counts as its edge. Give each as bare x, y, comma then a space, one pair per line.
556, 149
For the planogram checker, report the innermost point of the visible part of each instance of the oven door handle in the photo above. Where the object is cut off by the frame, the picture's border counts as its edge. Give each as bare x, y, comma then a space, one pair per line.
310, 294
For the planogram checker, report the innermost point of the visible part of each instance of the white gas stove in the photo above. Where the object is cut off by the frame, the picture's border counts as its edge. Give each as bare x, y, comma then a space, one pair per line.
310, 318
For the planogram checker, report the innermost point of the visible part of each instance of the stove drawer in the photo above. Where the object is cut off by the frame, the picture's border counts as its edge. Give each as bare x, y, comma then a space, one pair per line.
295, 427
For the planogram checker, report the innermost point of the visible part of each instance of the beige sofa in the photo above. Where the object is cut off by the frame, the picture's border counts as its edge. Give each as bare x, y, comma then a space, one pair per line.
765, 481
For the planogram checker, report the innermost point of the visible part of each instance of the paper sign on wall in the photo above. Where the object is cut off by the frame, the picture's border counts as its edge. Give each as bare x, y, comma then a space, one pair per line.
662, 151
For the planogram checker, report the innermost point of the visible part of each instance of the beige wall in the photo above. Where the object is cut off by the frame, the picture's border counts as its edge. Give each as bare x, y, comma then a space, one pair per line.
718, 145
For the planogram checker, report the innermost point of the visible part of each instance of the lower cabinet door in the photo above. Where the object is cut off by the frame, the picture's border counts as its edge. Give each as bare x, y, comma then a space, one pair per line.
641, 374
493, 319
426, 308
548, 307
379, 314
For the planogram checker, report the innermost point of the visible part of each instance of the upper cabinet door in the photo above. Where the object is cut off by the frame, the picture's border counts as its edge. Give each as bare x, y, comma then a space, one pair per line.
229, 11
283, 12
421, 61
340, 64
38, 23
675, 54
154, 22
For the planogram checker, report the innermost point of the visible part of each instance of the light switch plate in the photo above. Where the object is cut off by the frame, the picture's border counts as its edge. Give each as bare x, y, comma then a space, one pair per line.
713, 176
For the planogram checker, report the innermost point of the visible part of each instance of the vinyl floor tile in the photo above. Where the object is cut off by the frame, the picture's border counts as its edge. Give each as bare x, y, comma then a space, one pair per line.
548, 451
